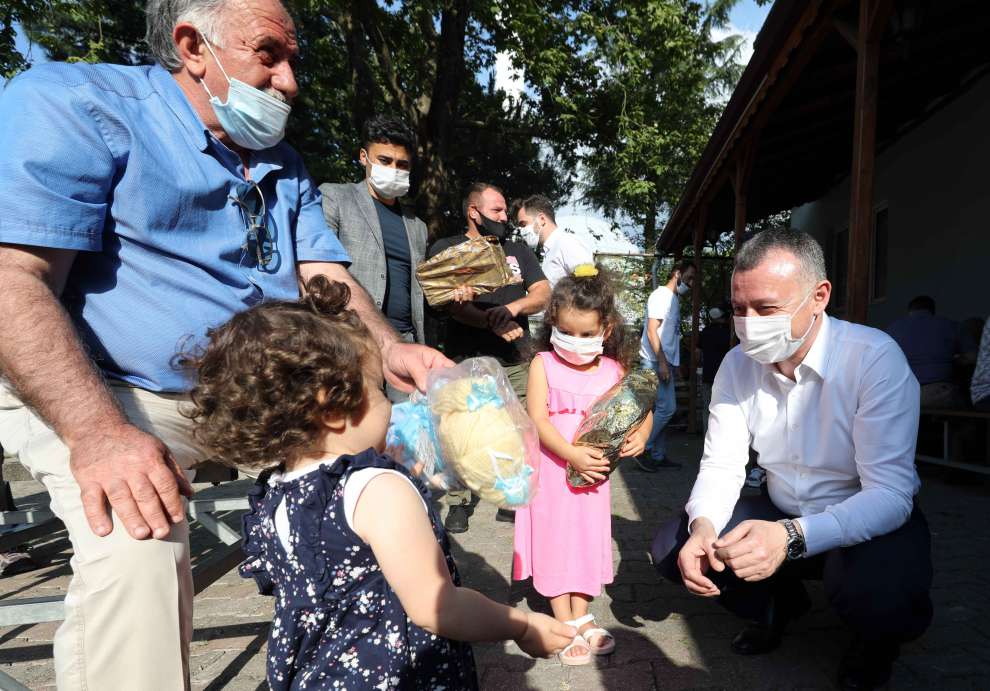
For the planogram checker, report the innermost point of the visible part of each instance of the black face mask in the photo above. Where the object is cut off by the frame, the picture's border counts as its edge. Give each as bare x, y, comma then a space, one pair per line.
496, 228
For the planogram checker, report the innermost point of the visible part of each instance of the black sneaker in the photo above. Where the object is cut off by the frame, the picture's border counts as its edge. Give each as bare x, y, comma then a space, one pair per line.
650, 465
645, 463
457, 519
867, 665
505, 516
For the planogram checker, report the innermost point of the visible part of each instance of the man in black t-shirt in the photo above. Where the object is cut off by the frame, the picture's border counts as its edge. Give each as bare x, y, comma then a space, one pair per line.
495, 324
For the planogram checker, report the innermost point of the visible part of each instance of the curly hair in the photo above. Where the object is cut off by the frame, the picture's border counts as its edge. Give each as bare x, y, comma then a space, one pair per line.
589, 293
267, 377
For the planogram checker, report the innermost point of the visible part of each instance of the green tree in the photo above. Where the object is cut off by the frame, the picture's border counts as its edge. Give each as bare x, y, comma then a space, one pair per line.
626, 89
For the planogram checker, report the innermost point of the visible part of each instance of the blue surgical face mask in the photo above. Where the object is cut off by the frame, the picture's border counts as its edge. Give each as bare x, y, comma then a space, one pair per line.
250, 117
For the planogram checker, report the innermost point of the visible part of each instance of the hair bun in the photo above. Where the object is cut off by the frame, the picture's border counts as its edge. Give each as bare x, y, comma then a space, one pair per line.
327, 297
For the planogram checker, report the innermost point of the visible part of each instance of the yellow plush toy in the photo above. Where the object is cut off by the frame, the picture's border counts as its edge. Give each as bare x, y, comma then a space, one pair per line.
484, 435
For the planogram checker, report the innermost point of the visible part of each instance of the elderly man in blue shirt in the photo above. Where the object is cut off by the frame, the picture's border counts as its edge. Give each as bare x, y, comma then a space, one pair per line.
144, 205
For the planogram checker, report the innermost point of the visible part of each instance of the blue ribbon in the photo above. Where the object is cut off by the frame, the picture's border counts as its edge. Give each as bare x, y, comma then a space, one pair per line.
482, 393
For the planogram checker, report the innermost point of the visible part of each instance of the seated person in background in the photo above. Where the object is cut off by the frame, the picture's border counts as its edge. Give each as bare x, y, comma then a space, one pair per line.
979, 388
931, 345
713, 344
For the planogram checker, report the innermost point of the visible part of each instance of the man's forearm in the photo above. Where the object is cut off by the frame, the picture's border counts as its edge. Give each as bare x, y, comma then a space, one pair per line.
653, 336
468, 314
361, 302
43, 359
658, 351
536, 300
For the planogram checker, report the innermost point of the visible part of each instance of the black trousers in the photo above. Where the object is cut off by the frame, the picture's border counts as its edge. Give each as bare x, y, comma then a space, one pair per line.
879, 588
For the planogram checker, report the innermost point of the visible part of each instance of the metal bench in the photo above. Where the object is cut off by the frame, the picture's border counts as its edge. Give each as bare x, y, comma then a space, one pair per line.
207, 508
947, 417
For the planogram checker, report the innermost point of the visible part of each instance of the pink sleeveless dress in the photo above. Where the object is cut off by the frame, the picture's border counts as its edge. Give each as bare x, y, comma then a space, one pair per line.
563, 539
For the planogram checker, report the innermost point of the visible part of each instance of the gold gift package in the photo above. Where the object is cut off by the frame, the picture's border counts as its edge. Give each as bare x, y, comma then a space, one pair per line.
479, 263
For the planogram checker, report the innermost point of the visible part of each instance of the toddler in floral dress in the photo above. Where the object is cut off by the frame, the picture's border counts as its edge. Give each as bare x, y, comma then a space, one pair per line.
366, 593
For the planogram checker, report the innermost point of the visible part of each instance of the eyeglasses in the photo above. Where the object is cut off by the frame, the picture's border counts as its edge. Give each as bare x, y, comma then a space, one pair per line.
258, 241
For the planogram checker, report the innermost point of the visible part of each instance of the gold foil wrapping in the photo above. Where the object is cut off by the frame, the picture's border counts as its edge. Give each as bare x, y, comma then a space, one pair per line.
616, 412
479, 263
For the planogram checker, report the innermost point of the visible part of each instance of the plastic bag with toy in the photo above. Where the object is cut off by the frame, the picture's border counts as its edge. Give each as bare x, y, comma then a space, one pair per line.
412, 441
469, 431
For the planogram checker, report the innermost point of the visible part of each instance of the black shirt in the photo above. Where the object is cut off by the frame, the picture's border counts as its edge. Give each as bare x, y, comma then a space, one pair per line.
397, 303
462, 341
714, 342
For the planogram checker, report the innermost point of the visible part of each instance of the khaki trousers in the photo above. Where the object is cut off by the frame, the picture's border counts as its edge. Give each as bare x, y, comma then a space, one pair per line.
128, 609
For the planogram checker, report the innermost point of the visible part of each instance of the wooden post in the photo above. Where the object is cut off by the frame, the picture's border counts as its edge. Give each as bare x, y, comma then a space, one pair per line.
872, 21
693, 392
740, 185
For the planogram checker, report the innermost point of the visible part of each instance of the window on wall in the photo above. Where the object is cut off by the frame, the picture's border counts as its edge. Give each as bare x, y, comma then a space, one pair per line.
878, 256
837, 260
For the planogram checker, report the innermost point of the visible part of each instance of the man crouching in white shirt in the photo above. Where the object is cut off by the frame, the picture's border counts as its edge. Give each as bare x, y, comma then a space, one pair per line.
832, 409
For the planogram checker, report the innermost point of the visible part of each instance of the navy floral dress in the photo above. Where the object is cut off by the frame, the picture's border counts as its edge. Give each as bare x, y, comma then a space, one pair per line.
337, 623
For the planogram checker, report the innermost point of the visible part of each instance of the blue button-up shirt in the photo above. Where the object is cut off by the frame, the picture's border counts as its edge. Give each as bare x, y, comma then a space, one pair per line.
113, 162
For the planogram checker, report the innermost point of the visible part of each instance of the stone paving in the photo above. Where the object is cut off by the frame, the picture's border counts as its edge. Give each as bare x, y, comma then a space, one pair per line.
666, 639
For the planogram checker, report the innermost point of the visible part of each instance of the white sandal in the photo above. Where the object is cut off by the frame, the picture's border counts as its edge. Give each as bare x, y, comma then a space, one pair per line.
606, 649
575, 660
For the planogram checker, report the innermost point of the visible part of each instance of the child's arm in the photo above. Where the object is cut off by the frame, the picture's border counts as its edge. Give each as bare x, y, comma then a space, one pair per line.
389, 516
636, 439
588, 461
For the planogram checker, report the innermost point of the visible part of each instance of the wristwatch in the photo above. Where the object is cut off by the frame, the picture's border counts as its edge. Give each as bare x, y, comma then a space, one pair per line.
795, 541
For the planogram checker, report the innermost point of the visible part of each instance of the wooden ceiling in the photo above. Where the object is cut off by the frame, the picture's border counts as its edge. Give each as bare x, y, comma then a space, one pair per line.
793, 107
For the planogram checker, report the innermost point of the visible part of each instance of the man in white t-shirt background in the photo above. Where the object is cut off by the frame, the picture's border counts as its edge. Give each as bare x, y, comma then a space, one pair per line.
562, 250
660, 349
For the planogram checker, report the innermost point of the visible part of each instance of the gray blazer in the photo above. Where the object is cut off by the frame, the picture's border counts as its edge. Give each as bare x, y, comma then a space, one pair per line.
350, 213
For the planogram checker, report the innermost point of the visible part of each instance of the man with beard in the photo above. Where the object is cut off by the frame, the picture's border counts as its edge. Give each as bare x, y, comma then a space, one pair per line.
496, 324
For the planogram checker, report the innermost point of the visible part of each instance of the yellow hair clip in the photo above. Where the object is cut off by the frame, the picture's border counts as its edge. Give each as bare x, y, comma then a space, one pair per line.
585, 271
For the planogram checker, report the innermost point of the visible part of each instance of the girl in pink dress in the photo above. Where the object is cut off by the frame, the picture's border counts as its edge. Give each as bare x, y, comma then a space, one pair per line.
564, 538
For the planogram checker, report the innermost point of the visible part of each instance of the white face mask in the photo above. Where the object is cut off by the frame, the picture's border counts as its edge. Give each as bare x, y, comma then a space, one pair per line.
389, 182
530, 236
250, 117
575, 350
768, 339
682, 288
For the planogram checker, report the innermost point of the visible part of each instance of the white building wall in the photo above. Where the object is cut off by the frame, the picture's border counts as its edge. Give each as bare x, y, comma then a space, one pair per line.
935, 183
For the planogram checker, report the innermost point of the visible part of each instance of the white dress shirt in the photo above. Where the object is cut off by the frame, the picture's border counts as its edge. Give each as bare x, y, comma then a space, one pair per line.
663, 304
837, 444
562, 253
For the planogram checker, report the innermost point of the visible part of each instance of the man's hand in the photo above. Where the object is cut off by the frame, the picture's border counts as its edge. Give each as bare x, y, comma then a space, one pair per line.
544, 636
464, 294
663, 371
697, 555
500, 319
406, 365
136, 473
754, 550
514, 333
